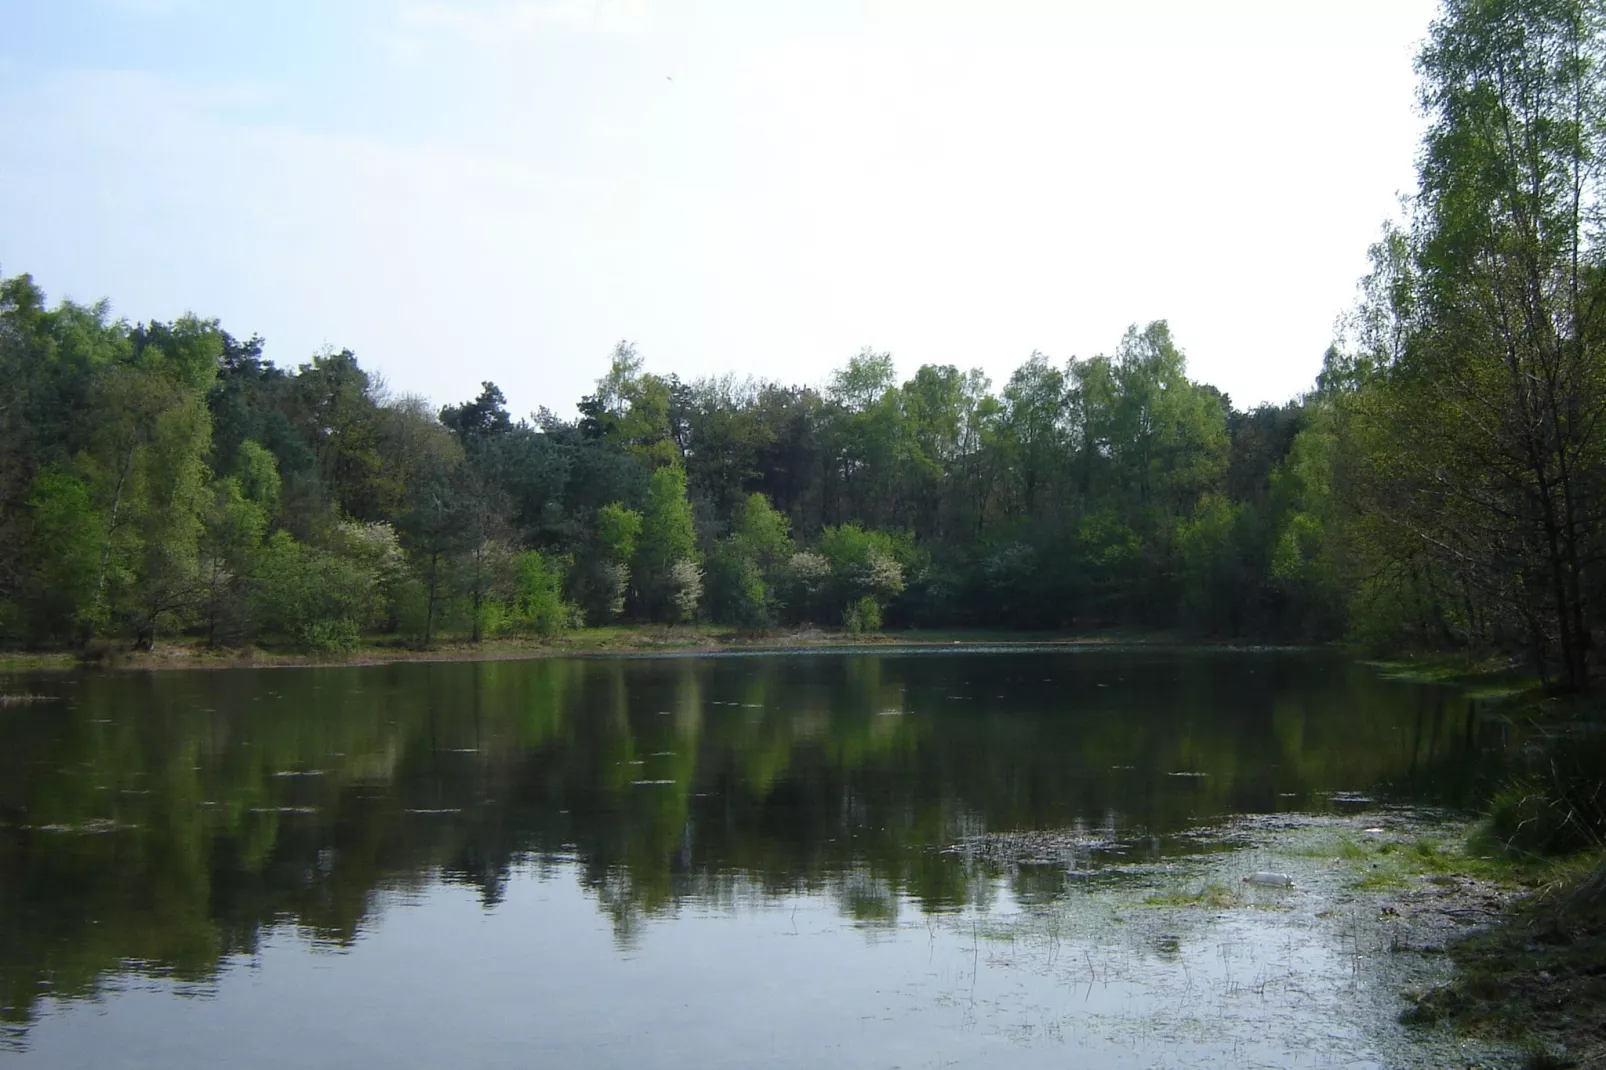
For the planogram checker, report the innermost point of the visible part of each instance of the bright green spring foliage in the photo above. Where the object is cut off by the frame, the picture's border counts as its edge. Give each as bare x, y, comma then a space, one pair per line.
746, 568
538, 605
618, 531
668, 579
1471, 392
168, 480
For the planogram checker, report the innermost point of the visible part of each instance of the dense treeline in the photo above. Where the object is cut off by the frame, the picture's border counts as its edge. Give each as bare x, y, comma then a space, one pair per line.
1442, 484
165, 477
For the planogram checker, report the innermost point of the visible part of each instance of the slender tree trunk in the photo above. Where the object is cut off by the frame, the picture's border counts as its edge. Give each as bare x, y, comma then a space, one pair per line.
429, 607
479, 588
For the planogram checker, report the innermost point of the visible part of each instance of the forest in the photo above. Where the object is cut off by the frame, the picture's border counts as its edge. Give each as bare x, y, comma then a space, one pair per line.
1440, 486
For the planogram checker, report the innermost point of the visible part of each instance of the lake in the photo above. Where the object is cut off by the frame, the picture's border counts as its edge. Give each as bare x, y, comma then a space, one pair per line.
893, 859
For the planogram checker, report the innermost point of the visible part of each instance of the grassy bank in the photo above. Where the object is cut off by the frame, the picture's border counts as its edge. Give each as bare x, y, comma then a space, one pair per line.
1538, 977
632, 639
1532, 973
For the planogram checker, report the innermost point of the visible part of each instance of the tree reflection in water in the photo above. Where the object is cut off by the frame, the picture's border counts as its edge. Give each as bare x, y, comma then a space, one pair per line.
158, 823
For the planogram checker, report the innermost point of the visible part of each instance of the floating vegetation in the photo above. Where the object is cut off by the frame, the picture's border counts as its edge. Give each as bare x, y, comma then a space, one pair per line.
1070, 848
640, 783
1188, 954
23, 699
1208, 896
94, 827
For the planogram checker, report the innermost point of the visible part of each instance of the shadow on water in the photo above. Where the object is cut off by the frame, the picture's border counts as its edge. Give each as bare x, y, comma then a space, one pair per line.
161, 825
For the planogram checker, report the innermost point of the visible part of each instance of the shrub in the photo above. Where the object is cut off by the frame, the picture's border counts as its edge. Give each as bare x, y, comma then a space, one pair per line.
736, 591
327, 636
1551, 816
685, 589
803, 582
862, 616
314, 596
864, 564
538, 605
599, 588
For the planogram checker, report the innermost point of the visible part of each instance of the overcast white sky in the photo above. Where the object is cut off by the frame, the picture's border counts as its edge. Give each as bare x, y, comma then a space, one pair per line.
462, 190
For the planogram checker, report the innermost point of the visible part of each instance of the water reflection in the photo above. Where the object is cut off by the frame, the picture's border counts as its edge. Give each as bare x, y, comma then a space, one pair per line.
160, 824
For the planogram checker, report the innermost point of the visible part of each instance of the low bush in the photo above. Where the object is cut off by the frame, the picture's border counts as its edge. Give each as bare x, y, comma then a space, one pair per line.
862, 616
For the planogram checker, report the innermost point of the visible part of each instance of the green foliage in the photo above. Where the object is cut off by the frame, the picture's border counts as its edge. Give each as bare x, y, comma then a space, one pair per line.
1211, 566
314, 597
803, 587
666, 553
862, 616
762, 533
736, 590
685, 590
1441, 487
217, 484
65, 534
232, 531
538, 607
864, 564
667, 531
259, 477
146, 463
632, 409
1555, 809
1470, 389
328, 635
746, 570
1525, 819
1110, 558
618, 530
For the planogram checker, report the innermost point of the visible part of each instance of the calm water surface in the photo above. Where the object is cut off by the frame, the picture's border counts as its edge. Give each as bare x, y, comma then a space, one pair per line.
877, 860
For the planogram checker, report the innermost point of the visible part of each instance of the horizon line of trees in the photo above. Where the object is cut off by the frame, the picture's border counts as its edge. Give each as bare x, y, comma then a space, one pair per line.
1442, 485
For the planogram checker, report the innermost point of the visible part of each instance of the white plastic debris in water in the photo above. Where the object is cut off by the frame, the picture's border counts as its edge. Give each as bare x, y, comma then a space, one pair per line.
1270, 880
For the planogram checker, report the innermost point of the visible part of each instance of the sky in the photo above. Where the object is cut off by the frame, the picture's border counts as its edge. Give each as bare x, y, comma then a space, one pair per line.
463, 190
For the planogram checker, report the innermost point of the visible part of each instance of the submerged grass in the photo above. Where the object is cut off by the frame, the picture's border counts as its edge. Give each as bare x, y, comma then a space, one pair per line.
1383, 860
1187, 951
1209, 896
1479, 676
20, 699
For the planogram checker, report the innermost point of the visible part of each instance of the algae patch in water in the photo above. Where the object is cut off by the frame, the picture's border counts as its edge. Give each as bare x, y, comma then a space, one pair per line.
1208, 896
1182, 952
